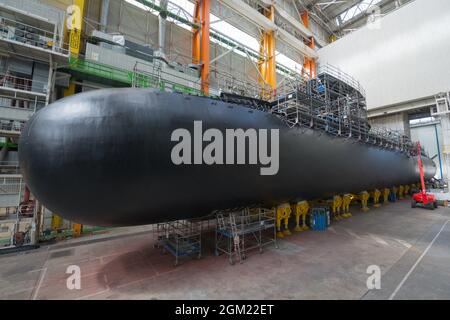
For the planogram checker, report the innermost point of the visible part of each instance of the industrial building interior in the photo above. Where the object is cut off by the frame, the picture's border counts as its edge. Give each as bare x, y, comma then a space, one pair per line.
380, 67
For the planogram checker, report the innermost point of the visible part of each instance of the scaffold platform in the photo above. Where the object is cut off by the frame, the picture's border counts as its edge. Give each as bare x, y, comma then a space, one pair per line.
238, 232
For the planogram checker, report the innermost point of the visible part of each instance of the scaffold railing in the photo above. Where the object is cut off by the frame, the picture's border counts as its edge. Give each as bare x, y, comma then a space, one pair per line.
12, 126
9, 167
181, 238
155, 76
20, 32
344, 114
228, 83
240, 230
10, 185
342, 76
25, 84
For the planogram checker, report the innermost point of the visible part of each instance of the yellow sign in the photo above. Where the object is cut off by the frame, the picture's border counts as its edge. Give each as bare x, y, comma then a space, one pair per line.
74, 24
75, 38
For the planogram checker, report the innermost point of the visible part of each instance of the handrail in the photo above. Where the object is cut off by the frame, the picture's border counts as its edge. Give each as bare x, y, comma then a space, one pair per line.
341, 75
14, 126
344, 117
25, 84
23, 33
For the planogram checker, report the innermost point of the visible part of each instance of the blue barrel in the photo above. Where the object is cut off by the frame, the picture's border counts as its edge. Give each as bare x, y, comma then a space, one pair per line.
319, 218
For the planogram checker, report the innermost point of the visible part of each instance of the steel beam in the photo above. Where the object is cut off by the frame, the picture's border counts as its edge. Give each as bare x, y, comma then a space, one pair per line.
267, 64
266, 24
309, 65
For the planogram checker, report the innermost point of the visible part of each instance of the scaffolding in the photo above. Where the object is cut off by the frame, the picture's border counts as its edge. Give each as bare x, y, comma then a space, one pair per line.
181, 238
165, 78
31, 36
334, 103
17, 217
238, 232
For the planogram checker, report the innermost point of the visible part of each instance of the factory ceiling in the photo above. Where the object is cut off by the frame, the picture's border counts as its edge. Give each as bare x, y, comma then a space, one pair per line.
342, 16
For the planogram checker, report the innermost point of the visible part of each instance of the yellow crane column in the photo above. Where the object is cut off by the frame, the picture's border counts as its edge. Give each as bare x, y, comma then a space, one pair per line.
74, 26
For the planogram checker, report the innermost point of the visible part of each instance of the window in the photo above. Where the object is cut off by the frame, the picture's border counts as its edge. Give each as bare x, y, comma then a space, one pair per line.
356, 10
185, 8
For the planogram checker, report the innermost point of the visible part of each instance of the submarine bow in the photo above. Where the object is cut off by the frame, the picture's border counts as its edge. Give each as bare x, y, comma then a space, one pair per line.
104, 158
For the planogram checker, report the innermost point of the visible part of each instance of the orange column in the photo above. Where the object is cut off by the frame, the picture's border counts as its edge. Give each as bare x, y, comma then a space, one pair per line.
267, 64
204, 54
196, 35
309, 65
200, 42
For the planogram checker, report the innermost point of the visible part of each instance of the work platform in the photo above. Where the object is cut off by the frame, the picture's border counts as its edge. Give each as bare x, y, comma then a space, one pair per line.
181, 238
238, 232
31, 46
27, 34
10, 129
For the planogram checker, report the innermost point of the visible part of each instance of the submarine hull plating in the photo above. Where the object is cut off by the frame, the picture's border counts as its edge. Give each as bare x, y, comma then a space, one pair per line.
104, 158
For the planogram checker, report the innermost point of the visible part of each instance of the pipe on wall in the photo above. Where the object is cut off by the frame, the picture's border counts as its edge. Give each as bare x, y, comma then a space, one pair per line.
162, 27
104, 15
438, 150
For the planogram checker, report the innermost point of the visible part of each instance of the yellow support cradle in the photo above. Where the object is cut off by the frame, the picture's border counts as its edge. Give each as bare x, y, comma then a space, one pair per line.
395, 191
364, 198
401, 190
301, 210
336, 206
283, 213
407, 189
386, 192
376, 194
346, 200
74, 26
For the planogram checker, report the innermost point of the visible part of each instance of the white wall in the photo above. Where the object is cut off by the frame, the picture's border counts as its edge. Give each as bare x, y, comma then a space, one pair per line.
407, 58
397, 122
429, 135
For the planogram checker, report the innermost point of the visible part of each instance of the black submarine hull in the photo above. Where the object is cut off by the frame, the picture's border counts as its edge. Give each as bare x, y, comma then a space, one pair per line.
104, 158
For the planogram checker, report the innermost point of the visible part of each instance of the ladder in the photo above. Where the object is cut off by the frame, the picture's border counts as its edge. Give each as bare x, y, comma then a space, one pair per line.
220, 221
236, 238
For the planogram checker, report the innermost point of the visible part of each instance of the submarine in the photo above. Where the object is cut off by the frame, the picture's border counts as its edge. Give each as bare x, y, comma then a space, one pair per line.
133, 156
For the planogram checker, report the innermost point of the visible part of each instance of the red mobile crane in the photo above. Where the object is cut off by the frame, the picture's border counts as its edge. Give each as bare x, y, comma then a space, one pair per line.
422, 198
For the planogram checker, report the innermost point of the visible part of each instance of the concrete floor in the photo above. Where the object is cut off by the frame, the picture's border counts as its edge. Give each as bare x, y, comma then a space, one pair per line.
411, 246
